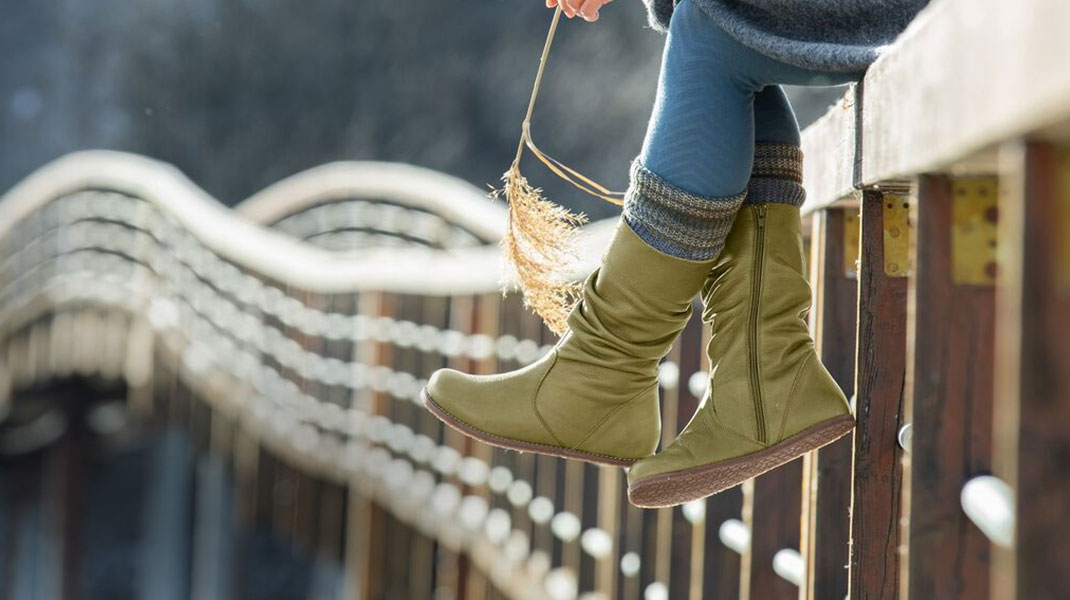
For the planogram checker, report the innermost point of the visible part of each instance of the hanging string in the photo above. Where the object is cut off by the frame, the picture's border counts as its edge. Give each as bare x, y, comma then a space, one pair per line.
563, 171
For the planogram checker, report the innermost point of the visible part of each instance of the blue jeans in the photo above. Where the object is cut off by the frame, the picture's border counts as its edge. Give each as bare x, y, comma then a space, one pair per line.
716, 99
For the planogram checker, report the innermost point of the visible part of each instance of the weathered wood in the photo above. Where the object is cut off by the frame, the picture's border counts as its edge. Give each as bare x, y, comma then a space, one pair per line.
721, 565
966, 75
213, 533
487, 318
687, 353
771, 511
880, 368
1032, 433
830, 149
827, 472
949, 401
364, 557
610, 480
166, 520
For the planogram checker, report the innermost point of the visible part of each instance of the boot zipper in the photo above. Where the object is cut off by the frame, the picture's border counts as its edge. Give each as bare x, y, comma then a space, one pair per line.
755, 304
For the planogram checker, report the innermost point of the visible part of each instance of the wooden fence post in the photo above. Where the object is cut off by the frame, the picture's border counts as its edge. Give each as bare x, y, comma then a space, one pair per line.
1032, 404
949, 381
876, 471
771, 505
826, 472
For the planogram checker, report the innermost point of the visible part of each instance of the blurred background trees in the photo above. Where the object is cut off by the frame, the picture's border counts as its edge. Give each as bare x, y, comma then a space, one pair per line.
240, 93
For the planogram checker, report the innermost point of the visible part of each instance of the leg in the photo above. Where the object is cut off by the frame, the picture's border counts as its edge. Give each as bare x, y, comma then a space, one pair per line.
774, 120
715, 98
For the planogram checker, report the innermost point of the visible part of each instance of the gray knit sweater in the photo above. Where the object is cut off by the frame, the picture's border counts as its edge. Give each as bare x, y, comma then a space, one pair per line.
824, 35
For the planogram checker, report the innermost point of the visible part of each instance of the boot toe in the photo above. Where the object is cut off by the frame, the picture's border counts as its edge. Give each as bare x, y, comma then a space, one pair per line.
449, 389
670, 459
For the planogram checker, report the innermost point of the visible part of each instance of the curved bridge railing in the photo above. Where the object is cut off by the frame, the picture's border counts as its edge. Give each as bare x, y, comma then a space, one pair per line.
292, 335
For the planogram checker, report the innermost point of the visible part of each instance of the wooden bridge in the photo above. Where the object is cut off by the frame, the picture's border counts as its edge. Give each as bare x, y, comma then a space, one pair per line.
290, 338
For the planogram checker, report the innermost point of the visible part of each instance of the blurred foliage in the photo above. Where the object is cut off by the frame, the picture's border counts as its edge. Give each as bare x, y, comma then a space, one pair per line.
240, 93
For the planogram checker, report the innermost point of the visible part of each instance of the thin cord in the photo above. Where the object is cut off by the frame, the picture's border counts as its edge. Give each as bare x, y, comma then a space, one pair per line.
538, 82
585, 184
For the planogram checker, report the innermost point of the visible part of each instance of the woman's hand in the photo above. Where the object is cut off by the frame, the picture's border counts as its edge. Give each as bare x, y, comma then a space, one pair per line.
588, 9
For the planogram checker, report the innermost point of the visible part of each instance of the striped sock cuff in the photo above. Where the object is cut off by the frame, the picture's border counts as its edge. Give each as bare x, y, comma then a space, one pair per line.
675, 221
777, 175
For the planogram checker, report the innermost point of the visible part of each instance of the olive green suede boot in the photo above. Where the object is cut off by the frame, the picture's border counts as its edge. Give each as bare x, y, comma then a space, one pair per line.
769, 399
593, 397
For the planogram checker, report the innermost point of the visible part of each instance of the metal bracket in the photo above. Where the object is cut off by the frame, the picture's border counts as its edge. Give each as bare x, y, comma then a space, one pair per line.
896, 235
851, 239
974, 222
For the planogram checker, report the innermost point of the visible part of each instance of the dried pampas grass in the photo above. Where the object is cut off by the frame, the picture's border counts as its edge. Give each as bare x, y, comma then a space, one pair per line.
539, 246
541, 238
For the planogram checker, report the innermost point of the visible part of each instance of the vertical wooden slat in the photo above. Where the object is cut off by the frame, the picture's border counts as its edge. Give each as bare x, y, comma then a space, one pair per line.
434, 312
670, 542
167, 520
1032, 432
949, 402
363, 547
771, 511
721, 565
609, 483
365, 522
826, 472
451, 569
213, 551
485, 320
880, 368
687, 353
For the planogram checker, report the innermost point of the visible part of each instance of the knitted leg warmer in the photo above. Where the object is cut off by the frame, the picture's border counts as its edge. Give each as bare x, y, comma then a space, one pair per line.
776, 177
675, 221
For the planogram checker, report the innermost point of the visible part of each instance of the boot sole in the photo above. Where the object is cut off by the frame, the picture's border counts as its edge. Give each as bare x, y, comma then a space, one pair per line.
679, 487
518, 445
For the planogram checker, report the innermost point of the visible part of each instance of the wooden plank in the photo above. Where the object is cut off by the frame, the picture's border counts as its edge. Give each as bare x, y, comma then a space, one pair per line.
365, 522
213, 552
949, 399
167, 520
827, 472
720, 564
486, 320
829, 147
771, 512
687, 353
1032, 442
880, 367
364, 556
966, 75
610, 480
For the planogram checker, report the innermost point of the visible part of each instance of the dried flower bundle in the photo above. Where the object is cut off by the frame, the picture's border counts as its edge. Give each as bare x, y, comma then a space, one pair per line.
539, 247
541, 237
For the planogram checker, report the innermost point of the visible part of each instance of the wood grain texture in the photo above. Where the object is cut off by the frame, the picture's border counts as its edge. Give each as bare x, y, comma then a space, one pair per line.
949, 347
827, 472
688, 353
772, 514
966, 75
829, 147
880, 367
721, 565
1032, 433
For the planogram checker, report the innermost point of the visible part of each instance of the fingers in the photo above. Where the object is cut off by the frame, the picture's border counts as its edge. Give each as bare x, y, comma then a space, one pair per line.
586, 9
590, 8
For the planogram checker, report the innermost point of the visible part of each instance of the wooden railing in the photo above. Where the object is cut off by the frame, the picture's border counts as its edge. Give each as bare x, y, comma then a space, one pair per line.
292, 335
